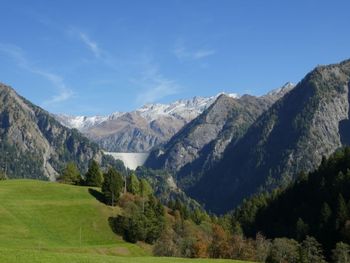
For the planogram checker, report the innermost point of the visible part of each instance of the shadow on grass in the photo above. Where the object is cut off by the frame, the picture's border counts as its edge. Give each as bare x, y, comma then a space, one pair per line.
98, 195
112, 221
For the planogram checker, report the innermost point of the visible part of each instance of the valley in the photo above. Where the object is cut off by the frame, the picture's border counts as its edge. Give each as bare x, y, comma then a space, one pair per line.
154, 131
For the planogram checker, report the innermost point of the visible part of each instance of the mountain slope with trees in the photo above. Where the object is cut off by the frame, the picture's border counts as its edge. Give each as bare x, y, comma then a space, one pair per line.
317, 204
35, 145
309, 122
201, 143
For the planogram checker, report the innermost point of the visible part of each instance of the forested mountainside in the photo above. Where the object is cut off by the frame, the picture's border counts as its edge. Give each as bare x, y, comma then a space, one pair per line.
317, 204
310, 121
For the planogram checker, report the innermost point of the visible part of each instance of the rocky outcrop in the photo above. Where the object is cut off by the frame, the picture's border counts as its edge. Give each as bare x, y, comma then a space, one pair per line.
33, 144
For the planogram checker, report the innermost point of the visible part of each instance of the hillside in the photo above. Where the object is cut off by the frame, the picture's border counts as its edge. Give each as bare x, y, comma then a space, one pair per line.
317, 204
51, 222
33, 144
58, 218
309, 122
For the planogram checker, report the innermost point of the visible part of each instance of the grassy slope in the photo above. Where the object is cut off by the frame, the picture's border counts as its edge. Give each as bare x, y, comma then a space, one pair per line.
41, 222
44, 215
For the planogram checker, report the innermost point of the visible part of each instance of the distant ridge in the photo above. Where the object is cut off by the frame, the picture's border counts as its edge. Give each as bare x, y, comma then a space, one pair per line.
142, 129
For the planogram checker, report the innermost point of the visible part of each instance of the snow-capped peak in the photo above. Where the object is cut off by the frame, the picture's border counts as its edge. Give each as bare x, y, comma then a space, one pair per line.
186, 109
80, 122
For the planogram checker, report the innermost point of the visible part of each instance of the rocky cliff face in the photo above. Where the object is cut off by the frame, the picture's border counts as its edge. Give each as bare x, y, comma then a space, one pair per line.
139, 130
200, 144
309, 122
33, 144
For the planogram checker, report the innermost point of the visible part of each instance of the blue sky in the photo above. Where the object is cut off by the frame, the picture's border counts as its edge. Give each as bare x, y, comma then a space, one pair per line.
97, 57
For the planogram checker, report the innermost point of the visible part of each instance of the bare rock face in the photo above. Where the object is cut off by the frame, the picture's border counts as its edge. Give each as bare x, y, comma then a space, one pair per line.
139, 130
131, 132
33, 144
310, 121
201, 143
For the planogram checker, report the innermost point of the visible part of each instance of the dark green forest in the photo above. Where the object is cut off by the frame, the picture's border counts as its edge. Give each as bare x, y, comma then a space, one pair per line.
316, 204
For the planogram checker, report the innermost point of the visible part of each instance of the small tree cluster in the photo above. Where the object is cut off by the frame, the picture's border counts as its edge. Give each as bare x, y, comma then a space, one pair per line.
142, 220
70, 174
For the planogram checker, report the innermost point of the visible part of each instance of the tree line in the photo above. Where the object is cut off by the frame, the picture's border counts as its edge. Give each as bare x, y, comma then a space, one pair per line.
308, 221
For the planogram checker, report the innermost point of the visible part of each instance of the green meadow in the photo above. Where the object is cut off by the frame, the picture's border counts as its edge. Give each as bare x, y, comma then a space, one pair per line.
51, 222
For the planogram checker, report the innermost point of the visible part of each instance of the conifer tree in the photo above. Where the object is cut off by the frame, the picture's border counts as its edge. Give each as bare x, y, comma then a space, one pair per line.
145, 188
342, 212
302, 229
93, 176
133, 185
112, 186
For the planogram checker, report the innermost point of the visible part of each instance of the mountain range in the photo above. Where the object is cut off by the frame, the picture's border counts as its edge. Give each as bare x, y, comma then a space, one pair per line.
142, 129
202, 142
219, 150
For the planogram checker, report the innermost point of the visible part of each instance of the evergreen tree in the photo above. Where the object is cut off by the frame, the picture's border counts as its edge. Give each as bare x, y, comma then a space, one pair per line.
145, 188
70, 175
326, 214
93, 176
133, 184
342, 212
112, 186
341, 253
302, 229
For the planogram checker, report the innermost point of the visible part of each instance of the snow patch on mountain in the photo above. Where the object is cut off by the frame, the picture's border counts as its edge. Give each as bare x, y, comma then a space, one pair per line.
80, 122
186, 109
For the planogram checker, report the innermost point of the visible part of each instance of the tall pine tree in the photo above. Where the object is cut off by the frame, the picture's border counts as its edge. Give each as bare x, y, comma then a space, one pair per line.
93, 176
112, 186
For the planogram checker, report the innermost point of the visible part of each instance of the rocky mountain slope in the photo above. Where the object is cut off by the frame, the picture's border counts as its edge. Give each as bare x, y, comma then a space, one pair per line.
142, 129
309, 122
198, 146
33, 144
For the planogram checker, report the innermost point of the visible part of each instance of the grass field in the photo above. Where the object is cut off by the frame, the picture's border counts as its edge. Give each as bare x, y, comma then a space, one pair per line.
51, 222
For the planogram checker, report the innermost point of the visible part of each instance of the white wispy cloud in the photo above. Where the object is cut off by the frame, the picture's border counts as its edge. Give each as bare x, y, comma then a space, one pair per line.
155, 85
92, 45
184, 53
63, 93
